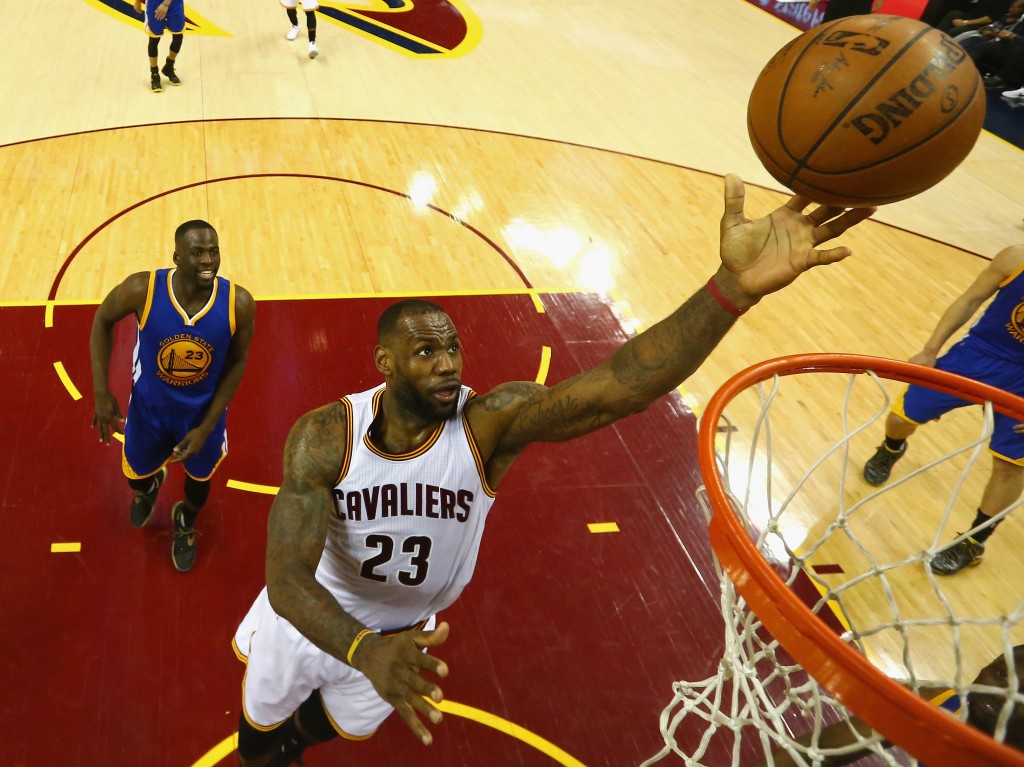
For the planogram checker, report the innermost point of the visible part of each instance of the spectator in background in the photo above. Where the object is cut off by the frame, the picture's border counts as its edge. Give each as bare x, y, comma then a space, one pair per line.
954, 17
998, 50
837, 9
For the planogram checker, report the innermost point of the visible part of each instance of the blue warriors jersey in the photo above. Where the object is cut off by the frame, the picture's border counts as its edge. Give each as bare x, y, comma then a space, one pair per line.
999, 332
178, 359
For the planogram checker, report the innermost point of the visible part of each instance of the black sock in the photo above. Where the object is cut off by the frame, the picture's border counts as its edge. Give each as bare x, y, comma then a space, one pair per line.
169, 63
154, 70
982, 535
188, 517
894, 445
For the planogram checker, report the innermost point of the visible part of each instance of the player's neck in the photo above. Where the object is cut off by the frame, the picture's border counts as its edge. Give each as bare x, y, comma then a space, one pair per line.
397, 432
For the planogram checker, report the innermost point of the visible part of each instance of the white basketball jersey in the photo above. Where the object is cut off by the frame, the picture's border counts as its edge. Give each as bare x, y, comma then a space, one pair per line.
403, 540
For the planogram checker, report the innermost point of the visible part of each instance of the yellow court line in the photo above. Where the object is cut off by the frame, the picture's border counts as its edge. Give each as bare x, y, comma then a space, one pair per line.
251, 488
230, 743
534, 293
508, 728
832, 604
66, 380
537, 303
216, 754
48, 321
65, 548
603, 527
545, 363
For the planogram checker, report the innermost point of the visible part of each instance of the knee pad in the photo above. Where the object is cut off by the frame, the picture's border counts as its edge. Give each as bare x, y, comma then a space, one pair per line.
313, 719
154, 44
310, 20
255, 744
196, 492
176, 41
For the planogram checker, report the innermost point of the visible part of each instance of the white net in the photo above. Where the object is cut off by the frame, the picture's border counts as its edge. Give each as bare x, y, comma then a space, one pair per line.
858, 557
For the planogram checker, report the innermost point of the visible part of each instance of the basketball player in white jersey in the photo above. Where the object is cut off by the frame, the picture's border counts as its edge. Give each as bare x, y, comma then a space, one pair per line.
378, 521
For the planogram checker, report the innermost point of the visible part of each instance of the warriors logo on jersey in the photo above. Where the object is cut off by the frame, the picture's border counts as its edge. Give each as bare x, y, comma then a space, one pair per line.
183, 359
1016, 323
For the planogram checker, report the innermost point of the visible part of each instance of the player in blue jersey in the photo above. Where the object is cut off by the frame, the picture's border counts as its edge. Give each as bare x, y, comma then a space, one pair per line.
983, 710
194, 330
992, 352
163, 15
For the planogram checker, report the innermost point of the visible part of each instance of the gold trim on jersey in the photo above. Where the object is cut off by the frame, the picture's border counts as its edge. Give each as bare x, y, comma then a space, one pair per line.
191, 321
130, 473
231, 306
475, 450
349, 441
398, 456
149, 300
1014, 275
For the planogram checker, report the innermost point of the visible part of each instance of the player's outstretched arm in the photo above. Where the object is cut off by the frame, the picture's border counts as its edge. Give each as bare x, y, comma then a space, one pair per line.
758, 257
297, 533
985, 285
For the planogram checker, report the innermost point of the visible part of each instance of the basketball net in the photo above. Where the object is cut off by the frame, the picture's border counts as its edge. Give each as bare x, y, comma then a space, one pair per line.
875, 631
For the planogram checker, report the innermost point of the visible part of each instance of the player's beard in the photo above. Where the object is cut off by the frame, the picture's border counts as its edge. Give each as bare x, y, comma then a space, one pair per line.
421, 405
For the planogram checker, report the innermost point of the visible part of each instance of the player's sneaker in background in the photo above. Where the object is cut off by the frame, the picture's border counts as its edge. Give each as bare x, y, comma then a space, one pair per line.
143, 503
1014, 95
879, 466
292, 33
313, 50
170, 74
154, 82
183, 548
954, 558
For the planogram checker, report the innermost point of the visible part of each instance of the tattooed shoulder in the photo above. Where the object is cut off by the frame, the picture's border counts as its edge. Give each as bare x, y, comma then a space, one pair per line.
317, 443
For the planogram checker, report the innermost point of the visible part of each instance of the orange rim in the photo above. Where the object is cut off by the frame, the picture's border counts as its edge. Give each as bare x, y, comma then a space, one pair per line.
927, 733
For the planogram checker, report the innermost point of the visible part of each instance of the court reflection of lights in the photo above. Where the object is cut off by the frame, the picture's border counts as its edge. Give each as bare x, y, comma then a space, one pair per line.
565, 248
422, 189
468, 205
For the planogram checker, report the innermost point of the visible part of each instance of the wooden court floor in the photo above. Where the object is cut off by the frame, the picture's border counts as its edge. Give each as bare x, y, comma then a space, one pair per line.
564, 157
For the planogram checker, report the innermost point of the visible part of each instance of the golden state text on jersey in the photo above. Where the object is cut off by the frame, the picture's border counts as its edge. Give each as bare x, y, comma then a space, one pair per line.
178, 358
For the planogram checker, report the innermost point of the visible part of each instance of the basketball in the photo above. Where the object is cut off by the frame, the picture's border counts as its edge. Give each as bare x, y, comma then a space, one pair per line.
866, 110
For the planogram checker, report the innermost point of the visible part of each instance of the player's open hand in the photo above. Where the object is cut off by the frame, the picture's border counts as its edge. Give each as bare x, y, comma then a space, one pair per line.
763, 255
107, 417
393, 664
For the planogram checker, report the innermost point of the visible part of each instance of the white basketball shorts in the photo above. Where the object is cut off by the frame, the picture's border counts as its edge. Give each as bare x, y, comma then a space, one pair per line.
283, 668
307, 5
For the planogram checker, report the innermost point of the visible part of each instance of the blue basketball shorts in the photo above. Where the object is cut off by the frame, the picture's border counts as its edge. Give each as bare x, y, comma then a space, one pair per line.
151, 434
173, 22
920, 404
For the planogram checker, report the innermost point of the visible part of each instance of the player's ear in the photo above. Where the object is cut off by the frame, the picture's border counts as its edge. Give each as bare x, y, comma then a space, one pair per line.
382, 359
174, 257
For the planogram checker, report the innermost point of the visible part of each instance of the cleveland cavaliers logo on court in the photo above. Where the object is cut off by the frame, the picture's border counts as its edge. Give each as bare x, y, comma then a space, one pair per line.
183, 359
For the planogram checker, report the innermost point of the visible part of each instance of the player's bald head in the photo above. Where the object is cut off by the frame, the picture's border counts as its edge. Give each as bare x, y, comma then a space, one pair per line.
392, 321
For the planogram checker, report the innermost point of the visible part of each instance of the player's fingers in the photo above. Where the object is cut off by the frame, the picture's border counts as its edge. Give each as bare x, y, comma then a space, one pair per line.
432, 638
829, 256
413, 722
836, 226
799, 203
824, 213
435, 666
735, 197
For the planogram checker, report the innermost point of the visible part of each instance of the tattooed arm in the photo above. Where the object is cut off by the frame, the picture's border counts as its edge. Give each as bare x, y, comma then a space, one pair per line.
297, 533
758, 257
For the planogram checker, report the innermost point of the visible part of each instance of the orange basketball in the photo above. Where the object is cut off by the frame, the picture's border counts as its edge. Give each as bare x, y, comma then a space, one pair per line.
866, 110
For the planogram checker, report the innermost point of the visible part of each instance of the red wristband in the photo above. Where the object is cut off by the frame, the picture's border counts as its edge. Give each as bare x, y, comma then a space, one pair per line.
728, 305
